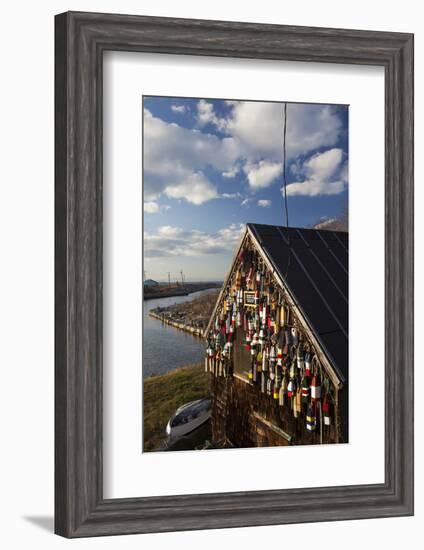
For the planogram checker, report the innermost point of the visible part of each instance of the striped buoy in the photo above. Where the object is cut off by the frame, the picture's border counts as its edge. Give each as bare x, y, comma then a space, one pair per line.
308, 361
311, 419
291, 388
254, 344
228, 323
277, 381
316, 388
297, 405
272, 360
326, 410
261, 337
269, 386
300, 357
305, 390
279, 357
219, 358
264, 359
283, 391
282, 316
238, 320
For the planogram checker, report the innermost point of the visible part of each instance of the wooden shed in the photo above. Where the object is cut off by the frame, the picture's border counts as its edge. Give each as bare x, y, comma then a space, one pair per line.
277, 340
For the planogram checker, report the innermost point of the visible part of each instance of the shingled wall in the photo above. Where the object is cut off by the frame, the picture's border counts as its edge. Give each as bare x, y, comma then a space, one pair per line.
236, 407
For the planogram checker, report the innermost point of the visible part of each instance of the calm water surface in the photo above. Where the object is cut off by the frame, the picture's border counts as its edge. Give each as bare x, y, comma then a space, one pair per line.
166, 348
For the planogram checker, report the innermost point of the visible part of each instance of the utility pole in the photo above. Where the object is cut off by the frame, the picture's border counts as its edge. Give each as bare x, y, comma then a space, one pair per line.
182, 277
169, 278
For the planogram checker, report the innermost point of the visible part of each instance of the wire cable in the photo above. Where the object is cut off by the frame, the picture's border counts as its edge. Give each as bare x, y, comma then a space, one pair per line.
286, 207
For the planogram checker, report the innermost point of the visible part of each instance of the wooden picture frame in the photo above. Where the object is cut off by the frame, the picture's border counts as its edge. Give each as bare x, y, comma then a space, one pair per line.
81, 39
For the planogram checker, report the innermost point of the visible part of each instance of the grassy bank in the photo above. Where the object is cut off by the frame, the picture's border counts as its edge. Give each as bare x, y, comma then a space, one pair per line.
164, 394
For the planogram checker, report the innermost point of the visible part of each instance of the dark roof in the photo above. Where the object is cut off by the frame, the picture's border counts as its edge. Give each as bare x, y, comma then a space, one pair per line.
317, 279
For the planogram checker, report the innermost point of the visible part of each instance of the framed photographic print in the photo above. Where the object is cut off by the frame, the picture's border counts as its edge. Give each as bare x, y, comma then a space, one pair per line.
234, 274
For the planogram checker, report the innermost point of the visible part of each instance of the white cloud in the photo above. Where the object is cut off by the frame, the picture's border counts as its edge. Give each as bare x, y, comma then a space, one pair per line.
262, 174
151, 207
245, 202
175, 159
258, 127
180, 109
196, 189
173, 241
264, 203
231, 173
323, 173
207, 115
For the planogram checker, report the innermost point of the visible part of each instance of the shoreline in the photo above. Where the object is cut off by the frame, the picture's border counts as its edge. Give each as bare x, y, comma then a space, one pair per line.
179, 292
195, 331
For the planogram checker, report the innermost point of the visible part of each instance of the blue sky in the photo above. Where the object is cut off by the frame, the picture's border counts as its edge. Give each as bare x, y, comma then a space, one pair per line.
210, 166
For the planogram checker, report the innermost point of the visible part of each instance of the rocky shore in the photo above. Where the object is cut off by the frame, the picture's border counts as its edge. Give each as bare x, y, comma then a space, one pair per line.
191, 317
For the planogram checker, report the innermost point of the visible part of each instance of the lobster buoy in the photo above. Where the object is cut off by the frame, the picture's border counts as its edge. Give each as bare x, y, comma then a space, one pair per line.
311, 419
261, 337
282, 316
308, 361
269, 386
263, 382
291, 388
258, 365
300, 357
272, 358
297, 405
287, 337
264, 358
254, 371
326, 410
295, 336
316, 388
238, 280
220, 361
293, 368
228, 323
248, 338
219, 340
283, 391
305, 390
254, 344
279, 357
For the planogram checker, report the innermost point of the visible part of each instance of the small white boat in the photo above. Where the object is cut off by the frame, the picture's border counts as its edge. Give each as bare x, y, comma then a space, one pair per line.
188, 417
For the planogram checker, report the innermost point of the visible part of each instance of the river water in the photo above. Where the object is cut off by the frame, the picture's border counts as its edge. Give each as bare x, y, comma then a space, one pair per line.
166, 348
